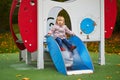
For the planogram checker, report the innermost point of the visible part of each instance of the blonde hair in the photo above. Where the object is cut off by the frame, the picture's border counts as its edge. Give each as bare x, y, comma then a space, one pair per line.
60, 18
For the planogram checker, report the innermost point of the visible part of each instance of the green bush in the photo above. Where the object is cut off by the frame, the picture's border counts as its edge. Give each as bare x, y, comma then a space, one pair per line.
7, 44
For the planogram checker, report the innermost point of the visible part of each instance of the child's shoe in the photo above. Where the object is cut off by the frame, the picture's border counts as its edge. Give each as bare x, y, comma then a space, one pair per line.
62, 49
72, 48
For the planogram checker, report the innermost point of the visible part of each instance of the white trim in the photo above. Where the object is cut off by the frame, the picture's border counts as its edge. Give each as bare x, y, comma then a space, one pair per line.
40, 35
102, 36
79, 72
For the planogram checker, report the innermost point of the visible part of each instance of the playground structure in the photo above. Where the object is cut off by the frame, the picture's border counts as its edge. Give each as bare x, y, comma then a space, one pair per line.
36, 17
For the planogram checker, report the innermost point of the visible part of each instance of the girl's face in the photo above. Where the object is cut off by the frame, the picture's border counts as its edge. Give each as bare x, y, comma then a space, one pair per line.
60, 21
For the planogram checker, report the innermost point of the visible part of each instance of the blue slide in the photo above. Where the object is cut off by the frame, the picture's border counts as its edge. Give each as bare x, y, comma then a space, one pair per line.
81, 61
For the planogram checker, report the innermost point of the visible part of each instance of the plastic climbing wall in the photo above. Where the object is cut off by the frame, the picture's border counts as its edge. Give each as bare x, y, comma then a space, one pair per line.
110, 16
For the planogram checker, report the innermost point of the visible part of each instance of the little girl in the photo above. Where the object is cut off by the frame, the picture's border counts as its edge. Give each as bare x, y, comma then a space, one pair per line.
59, 31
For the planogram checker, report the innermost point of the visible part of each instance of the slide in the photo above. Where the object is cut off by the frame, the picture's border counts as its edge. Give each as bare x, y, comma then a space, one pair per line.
67, 62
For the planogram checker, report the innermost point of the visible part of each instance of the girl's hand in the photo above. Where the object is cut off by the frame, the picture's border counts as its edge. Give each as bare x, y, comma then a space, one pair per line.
73, 34
47, 35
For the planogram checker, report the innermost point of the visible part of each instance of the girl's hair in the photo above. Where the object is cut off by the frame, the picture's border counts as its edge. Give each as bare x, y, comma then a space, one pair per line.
60, 17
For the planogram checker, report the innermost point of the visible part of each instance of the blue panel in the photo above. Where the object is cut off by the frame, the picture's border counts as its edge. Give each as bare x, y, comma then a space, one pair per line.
82, 60
56, 55
87, 26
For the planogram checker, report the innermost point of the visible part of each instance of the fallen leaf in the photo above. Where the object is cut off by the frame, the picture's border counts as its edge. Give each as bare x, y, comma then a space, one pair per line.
26, 79
118, 65
18, 75
108, 77
79, 79
119, 54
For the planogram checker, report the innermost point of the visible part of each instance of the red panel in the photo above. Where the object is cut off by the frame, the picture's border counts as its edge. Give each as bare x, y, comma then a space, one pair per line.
110, 17
19, 45
27, 19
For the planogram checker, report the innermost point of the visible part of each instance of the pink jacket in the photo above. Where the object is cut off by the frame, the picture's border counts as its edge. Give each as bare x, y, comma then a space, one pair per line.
60, 31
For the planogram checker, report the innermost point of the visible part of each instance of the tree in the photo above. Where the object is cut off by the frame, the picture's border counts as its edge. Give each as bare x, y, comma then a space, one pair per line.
4, 15
117, 26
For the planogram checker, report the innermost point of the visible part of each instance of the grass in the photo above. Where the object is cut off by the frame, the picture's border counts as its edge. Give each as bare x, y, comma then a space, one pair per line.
12, 69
